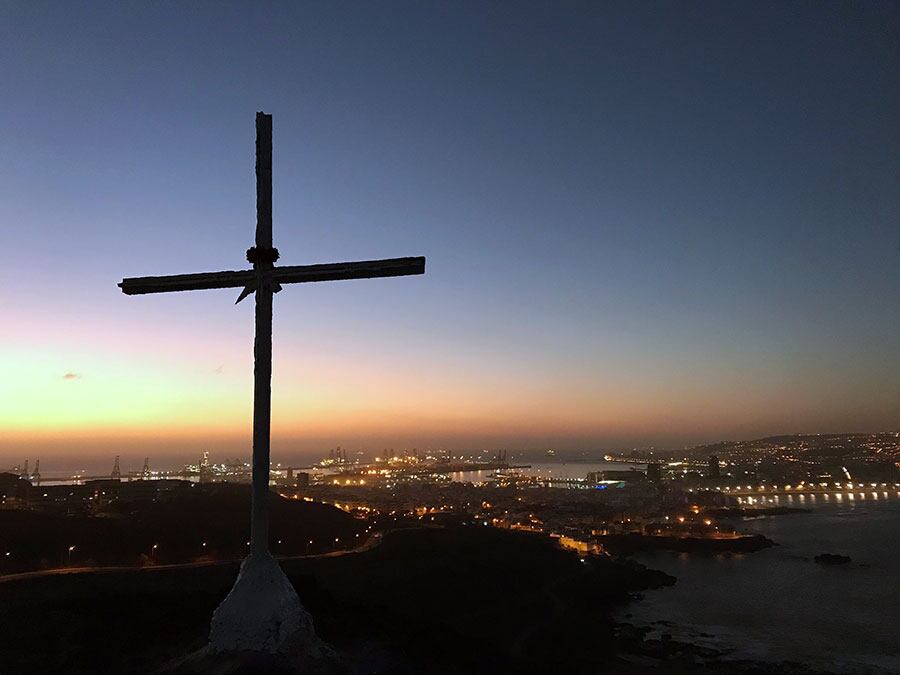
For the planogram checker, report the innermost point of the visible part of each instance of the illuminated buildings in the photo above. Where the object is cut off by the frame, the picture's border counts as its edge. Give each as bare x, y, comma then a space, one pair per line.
628, 476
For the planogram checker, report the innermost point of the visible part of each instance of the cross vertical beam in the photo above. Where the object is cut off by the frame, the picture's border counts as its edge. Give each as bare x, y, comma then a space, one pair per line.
263, 180
262, 346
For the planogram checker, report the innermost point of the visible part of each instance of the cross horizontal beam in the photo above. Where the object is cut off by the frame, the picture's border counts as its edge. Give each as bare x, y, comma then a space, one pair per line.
298, 274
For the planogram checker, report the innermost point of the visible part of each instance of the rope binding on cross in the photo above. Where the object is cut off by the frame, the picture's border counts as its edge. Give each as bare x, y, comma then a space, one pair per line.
258, 255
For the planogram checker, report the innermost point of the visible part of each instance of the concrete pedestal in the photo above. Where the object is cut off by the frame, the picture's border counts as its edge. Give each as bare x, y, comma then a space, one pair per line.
262, 613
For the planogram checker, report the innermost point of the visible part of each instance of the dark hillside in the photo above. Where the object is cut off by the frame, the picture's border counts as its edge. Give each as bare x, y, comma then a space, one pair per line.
456, 600
215, 515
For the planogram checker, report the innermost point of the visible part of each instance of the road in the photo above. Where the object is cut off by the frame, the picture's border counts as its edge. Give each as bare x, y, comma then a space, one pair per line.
368, 544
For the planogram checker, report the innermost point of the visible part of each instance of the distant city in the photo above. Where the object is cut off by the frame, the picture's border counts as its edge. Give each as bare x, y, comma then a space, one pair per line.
594, 505
771, 459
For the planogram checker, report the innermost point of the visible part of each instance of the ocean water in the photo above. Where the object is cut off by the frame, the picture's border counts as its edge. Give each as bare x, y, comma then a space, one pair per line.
778, 604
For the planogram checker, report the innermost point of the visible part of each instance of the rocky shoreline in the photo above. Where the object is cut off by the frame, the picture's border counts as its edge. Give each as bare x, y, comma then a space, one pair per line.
667, 654
625, 544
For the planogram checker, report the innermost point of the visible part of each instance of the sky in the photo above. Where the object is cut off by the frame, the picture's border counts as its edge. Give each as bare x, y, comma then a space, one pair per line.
645, 223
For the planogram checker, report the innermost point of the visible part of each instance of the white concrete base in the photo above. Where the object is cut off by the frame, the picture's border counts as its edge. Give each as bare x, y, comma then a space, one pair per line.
262, 613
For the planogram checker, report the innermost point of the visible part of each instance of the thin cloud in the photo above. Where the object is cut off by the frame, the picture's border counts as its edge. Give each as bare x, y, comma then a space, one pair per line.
71, 376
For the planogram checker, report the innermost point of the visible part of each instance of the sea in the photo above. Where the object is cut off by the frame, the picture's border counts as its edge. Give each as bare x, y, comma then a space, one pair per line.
780, 605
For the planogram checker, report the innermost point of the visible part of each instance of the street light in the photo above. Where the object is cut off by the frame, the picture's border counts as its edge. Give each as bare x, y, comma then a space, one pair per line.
71, 548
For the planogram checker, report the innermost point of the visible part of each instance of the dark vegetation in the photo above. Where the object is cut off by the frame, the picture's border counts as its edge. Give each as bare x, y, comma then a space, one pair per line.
623, 544
462, 599
124, 533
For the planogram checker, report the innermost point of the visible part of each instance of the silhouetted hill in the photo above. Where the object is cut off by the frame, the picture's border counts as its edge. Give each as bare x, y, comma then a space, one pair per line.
458, 600
823, 447
215, 515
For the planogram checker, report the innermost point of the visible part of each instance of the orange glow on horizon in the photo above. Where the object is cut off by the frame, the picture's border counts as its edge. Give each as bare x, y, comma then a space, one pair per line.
176, 386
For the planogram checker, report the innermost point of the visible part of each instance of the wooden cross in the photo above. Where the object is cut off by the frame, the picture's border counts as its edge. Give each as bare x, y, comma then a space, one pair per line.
265, 279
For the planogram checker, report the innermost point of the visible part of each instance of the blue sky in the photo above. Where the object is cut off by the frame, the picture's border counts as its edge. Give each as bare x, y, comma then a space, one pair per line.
644, 222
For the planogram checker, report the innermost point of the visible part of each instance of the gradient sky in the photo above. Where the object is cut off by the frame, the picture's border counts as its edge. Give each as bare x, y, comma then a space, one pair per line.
645, 223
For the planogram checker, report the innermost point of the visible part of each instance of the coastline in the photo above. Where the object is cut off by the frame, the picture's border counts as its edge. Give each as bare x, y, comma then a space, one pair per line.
630, 543
778, 604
